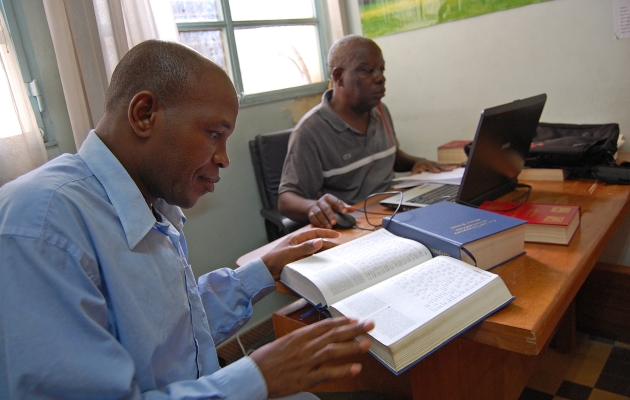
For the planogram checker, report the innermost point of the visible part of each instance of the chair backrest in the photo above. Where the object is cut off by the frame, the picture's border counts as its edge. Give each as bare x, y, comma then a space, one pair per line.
268, 151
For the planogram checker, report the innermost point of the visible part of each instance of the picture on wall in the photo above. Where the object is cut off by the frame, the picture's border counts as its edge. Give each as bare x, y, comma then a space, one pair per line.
385, 17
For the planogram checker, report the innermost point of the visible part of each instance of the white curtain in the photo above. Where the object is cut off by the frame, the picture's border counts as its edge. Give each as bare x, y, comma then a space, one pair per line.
21, 145
90, 37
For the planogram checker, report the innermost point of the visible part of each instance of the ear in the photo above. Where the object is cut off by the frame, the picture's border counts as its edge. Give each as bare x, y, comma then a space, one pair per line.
142, 113
337, 76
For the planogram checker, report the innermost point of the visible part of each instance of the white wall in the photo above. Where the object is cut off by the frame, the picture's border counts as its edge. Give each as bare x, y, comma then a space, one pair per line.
440, 78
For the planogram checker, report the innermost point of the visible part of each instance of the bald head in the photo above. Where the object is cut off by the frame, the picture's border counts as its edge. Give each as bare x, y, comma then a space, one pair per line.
166, 69
168, 114
345, 49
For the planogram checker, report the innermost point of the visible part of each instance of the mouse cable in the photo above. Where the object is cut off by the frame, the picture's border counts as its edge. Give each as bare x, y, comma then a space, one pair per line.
366, 212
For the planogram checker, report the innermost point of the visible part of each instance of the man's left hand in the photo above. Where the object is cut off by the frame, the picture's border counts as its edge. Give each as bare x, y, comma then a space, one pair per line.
426, 165
295, 246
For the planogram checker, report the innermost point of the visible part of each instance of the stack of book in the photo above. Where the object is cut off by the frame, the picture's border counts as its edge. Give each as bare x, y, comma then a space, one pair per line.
453, 152
546, 223
543, 174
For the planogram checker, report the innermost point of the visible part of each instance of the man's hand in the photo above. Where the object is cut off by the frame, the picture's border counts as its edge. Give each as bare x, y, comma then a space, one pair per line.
423, 164
295, 246
322, 213
295, 362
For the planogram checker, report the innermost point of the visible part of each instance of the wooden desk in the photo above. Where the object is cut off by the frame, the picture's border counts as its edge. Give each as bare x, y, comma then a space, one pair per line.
496, 358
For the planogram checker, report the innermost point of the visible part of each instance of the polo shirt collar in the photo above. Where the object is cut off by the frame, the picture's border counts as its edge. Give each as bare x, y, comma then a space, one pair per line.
131, 207
334, 120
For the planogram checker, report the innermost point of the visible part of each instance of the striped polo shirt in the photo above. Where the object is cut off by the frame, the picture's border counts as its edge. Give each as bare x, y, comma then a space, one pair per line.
326, 155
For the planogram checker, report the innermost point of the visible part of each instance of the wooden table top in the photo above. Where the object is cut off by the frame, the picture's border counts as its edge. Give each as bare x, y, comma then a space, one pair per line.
545, 279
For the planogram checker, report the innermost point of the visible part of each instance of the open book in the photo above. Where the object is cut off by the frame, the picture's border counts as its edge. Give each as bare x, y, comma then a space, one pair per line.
417, 302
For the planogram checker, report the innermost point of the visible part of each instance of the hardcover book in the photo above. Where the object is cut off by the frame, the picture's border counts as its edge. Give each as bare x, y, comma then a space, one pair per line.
478, 237
453, 152
418, 302
543, 174
546, 223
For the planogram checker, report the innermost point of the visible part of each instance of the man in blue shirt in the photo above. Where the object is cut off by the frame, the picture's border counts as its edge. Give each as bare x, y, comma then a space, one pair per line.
98, 300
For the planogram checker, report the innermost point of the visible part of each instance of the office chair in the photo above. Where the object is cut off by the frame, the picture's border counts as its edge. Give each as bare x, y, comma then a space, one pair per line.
268, 151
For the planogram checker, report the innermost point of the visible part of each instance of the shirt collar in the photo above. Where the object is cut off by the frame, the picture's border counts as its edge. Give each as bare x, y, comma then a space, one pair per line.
131, 207
334, 120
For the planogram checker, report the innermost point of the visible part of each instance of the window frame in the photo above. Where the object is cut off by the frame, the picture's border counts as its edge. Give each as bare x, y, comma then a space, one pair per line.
228, 26
16, 24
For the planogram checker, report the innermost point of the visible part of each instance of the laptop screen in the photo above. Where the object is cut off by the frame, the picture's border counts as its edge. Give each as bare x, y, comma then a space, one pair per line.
498, 153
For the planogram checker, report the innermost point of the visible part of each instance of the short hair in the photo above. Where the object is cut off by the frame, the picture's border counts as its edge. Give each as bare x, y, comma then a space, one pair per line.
343, 50
167, 69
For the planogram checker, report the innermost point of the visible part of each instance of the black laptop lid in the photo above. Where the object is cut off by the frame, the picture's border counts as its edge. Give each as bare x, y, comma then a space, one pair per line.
498, 153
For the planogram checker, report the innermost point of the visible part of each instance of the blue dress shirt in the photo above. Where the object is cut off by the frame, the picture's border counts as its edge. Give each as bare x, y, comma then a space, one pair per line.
97, 299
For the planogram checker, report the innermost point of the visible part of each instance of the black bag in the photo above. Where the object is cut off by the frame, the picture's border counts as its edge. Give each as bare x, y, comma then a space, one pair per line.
577, 148
585, 151
616, 174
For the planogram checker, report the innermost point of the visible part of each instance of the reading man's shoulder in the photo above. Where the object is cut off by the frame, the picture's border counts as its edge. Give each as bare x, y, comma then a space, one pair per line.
27, 203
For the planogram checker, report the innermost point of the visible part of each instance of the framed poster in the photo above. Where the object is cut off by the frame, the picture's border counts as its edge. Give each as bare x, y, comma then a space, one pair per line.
385, 17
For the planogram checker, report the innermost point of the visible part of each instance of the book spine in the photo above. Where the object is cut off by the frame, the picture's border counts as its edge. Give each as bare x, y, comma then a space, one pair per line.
436, 245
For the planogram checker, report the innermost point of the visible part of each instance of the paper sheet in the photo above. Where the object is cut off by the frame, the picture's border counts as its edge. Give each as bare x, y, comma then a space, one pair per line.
453, 177
621, 18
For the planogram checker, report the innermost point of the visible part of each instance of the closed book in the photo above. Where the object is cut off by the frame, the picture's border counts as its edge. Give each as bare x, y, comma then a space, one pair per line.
543, 174
453, 152
478, 237
546, 223
418, 302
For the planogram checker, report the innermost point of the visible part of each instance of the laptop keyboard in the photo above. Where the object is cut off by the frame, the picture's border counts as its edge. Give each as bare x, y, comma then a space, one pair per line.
443, 193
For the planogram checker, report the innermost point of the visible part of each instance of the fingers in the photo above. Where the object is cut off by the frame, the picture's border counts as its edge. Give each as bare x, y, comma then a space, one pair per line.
322, 213
311, 355
446, 167
334, 372
296, 246
431, 166
327, 329
349, 208
317, 217
311, 234
336, 344
344, 330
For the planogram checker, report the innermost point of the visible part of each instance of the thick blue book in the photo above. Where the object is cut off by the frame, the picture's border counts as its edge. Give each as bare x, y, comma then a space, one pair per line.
478, 237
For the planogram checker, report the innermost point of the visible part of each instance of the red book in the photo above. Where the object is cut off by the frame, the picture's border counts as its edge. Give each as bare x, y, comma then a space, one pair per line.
453, 152
546, 223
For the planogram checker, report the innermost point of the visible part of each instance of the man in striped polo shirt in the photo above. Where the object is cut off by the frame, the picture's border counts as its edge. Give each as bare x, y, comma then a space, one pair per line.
345, 148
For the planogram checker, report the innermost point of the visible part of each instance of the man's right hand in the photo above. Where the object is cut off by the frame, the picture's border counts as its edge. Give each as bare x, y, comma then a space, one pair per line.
300, 360
322, 213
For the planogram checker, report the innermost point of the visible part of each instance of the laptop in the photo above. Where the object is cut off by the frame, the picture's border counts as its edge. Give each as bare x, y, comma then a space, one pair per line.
497, 156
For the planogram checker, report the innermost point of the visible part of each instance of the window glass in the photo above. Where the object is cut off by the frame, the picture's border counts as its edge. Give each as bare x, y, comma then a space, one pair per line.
8, 114
264, 45
273, 58
256, 10
208, 43
197, 10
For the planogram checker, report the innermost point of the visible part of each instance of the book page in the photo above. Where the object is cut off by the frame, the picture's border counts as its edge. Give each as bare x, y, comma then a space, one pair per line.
410, 299
358, 264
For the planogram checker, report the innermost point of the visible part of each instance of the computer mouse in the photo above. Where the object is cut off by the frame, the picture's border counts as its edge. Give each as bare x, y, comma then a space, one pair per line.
344, 221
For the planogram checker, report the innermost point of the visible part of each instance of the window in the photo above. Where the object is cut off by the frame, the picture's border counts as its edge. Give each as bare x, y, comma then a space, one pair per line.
26, 70
8, 112
21, 145
272, 49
